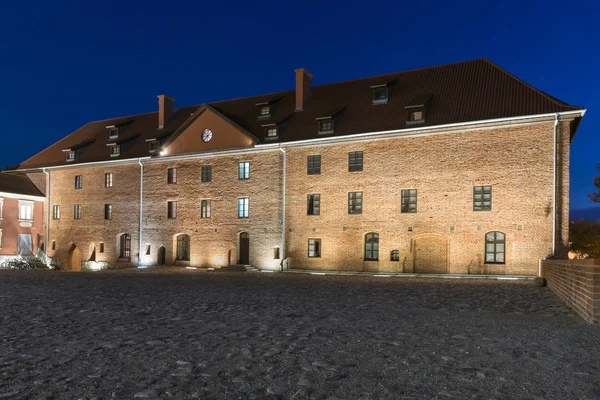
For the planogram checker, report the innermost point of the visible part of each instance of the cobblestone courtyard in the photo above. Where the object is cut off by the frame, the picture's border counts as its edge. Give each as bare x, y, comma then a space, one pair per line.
145, 334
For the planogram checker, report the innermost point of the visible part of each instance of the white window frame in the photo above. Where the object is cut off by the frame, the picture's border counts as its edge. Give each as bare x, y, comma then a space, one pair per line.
208, 213
108, 179
243, 207
116, 153
1, 206
26, 204
56, 212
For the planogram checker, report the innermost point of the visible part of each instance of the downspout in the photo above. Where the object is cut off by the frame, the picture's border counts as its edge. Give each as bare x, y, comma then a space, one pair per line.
47, 211
282, 255
141, 211
554, 187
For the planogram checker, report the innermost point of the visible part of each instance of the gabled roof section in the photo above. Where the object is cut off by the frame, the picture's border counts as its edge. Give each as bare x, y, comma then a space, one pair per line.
466, 91
18, 184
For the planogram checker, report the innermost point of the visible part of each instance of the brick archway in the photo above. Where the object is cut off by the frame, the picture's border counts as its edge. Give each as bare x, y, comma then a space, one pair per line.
430, 254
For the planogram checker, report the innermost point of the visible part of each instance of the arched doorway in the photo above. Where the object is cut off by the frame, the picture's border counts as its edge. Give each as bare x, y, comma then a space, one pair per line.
244, 249
431, 254
74, 259
162, 256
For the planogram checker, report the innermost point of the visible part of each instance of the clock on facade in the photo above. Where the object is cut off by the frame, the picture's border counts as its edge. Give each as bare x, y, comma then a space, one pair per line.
206, 135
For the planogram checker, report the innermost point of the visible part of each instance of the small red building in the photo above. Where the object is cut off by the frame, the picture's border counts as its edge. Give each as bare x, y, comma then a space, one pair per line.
21, 216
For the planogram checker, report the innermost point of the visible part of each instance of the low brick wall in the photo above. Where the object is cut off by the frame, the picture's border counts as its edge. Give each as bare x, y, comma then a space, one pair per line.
577, 282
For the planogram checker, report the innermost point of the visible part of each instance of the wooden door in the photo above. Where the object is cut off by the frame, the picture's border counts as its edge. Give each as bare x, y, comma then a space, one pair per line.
244, 249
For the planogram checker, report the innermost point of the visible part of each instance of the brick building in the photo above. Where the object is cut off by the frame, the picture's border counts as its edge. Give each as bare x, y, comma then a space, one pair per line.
460, 168
21, 217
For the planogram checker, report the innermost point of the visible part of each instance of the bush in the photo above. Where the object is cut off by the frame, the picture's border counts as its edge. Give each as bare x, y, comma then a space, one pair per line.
584, 238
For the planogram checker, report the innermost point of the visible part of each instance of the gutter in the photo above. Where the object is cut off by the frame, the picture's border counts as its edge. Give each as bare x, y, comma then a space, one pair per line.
282, 255
555, 147
141, 212
47, 243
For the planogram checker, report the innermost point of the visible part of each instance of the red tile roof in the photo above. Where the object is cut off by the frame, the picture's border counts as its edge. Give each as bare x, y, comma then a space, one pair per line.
461, 92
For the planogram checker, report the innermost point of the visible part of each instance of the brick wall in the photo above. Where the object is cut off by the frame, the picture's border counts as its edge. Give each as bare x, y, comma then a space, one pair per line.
577, 283
516, 161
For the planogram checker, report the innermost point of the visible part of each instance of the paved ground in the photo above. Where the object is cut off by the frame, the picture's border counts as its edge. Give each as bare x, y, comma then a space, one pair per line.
133, 334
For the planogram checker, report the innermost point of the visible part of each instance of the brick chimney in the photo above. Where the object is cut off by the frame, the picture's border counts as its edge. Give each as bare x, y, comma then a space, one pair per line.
303, 82
165, 110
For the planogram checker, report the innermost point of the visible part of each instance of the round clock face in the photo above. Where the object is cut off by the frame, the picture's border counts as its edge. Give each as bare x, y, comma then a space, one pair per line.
206, 135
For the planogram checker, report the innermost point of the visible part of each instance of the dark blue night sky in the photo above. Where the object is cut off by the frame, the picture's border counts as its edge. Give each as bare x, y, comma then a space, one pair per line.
64, 63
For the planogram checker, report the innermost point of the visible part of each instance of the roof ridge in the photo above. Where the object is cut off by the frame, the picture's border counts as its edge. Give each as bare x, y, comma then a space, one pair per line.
549, 97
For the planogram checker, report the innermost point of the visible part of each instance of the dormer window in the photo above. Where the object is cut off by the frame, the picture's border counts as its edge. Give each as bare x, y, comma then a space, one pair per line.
417, 110
113, 132
153, 146
115, 150
326, 126
70, 155
265, 111
415, 116
380, 94
271, 132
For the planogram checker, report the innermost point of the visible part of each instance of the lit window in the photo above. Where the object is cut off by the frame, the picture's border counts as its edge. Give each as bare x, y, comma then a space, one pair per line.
25, 211
77, 211
244, 170
78, 181
482, 198
326, 126
409, 201
265, 111
495, 248
56, 212
313, 204
115, 151
205, 209
355, 203
172, 210
172, 175
243, 207
108, 211
272, 132
371, 247
108, 180
314, 248
70, 155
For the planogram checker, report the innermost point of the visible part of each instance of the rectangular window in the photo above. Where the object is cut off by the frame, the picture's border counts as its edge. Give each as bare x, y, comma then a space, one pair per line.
355, 161
114, 132
272, 132
313, 204
482, 198
206, 175
108, 211
314, 165
355, 203
78, 181
314, 248
326, 126
265, 111
108, 180
148, 250
25, 211
244, 170
243, 207
205, 209
77, 211
415, 116
70, 155
409, 201
56, 212
172, 175
276, 253
380, 95
54, 245
101, 247
115, 150
153, 146
172, 210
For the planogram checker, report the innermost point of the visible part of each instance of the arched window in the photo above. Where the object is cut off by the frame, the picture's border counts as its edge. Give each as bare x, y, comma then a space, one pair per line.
395, 255
183, 247
371, 247
125, 246
495, 248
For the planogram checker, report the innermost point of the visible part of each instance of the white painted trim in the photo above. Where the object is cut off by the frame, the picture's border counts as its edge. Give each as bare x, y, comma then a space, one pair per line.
22, 196
223, 153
